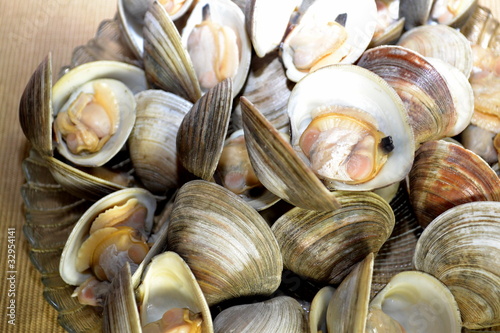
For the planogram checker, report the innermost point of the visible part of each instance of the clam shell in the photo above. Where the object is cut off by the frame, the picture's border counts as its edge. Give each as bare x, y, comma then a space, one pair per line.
201, 135
268, 88
120, 309
325, 246
456, 19
460, 247
418, 301
442, 42
416, 13
152, 143
445, 175
166, 61
360, 27
354, 86
81, 230
169, 283
422, 88
35, 108
226, 243
278, 314
317, 311
226, 13
348, 308
278, 167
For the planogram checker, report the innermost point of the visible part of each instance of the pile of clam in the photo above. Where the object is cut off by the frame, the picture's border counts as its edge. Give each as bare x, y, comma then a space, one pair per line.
270, 166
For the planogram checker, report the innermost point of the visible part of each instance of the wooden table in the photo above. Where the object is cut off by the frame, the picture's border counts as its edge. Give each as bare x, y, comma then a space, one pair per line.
28, 31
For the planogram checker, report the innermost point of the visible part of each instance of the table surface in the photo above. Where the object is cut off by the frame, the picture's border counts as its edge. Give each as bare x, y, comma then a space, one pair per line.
27, 35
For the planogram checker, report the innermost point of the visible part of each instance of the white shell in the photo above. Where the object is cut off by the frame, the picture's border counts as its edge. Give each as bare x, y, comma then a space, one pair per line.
227, 13
67, 265
419, 302
360, 25
351, 85
267, 21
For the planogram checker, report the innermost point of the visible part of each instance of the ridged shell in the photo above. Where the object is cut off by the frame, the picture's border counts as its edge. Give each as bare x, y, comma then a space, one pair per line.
226, 243
442, 42
166, 61
278, 167
445, 175
461, 248
201, 135
424, 91
278, 314
152, 143
325, 246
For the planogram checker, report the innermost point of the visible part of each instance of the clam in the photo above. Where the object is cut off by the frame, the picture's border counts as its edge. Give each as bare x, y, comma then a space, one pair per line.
480, 141
414, 302
279, 314
226, 243
317, 311
170, 297
325, 246
445, 175
351, 128
268, 88
201, 134
329, 32
112, 231
218, 44
167, 63
460, 247
92, 106
152, 142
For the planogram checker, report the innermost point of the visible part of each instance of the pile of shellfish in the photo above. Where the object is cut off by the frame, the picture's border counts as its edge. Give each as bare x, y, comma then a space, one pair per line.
270, 166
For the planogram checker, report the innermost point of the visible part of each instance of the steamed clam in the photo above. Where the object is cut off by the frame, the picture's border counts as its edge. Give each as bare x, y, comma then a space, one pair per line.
329, 32
114, 230
351, 128
218, 44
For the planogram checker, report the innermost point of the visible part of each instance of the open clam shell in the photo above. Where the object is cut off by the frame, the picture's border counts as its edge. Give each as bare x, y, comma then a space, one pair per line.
461, 248
70, 255
223, 14
455, 14
278, 314
351, 92
168, 284
228, 246
267, 21
305, 48
325, 246
417, 302
445, 175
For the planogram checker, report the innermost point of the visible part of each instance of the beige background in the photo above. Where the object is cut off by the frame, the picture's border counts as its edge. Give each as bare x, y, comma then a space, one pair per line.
28, 31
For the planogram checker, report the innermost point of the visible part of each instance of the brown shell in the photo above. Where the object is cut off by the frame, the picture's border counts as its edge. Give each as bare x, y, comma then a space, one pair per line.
445, 175
325, 246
